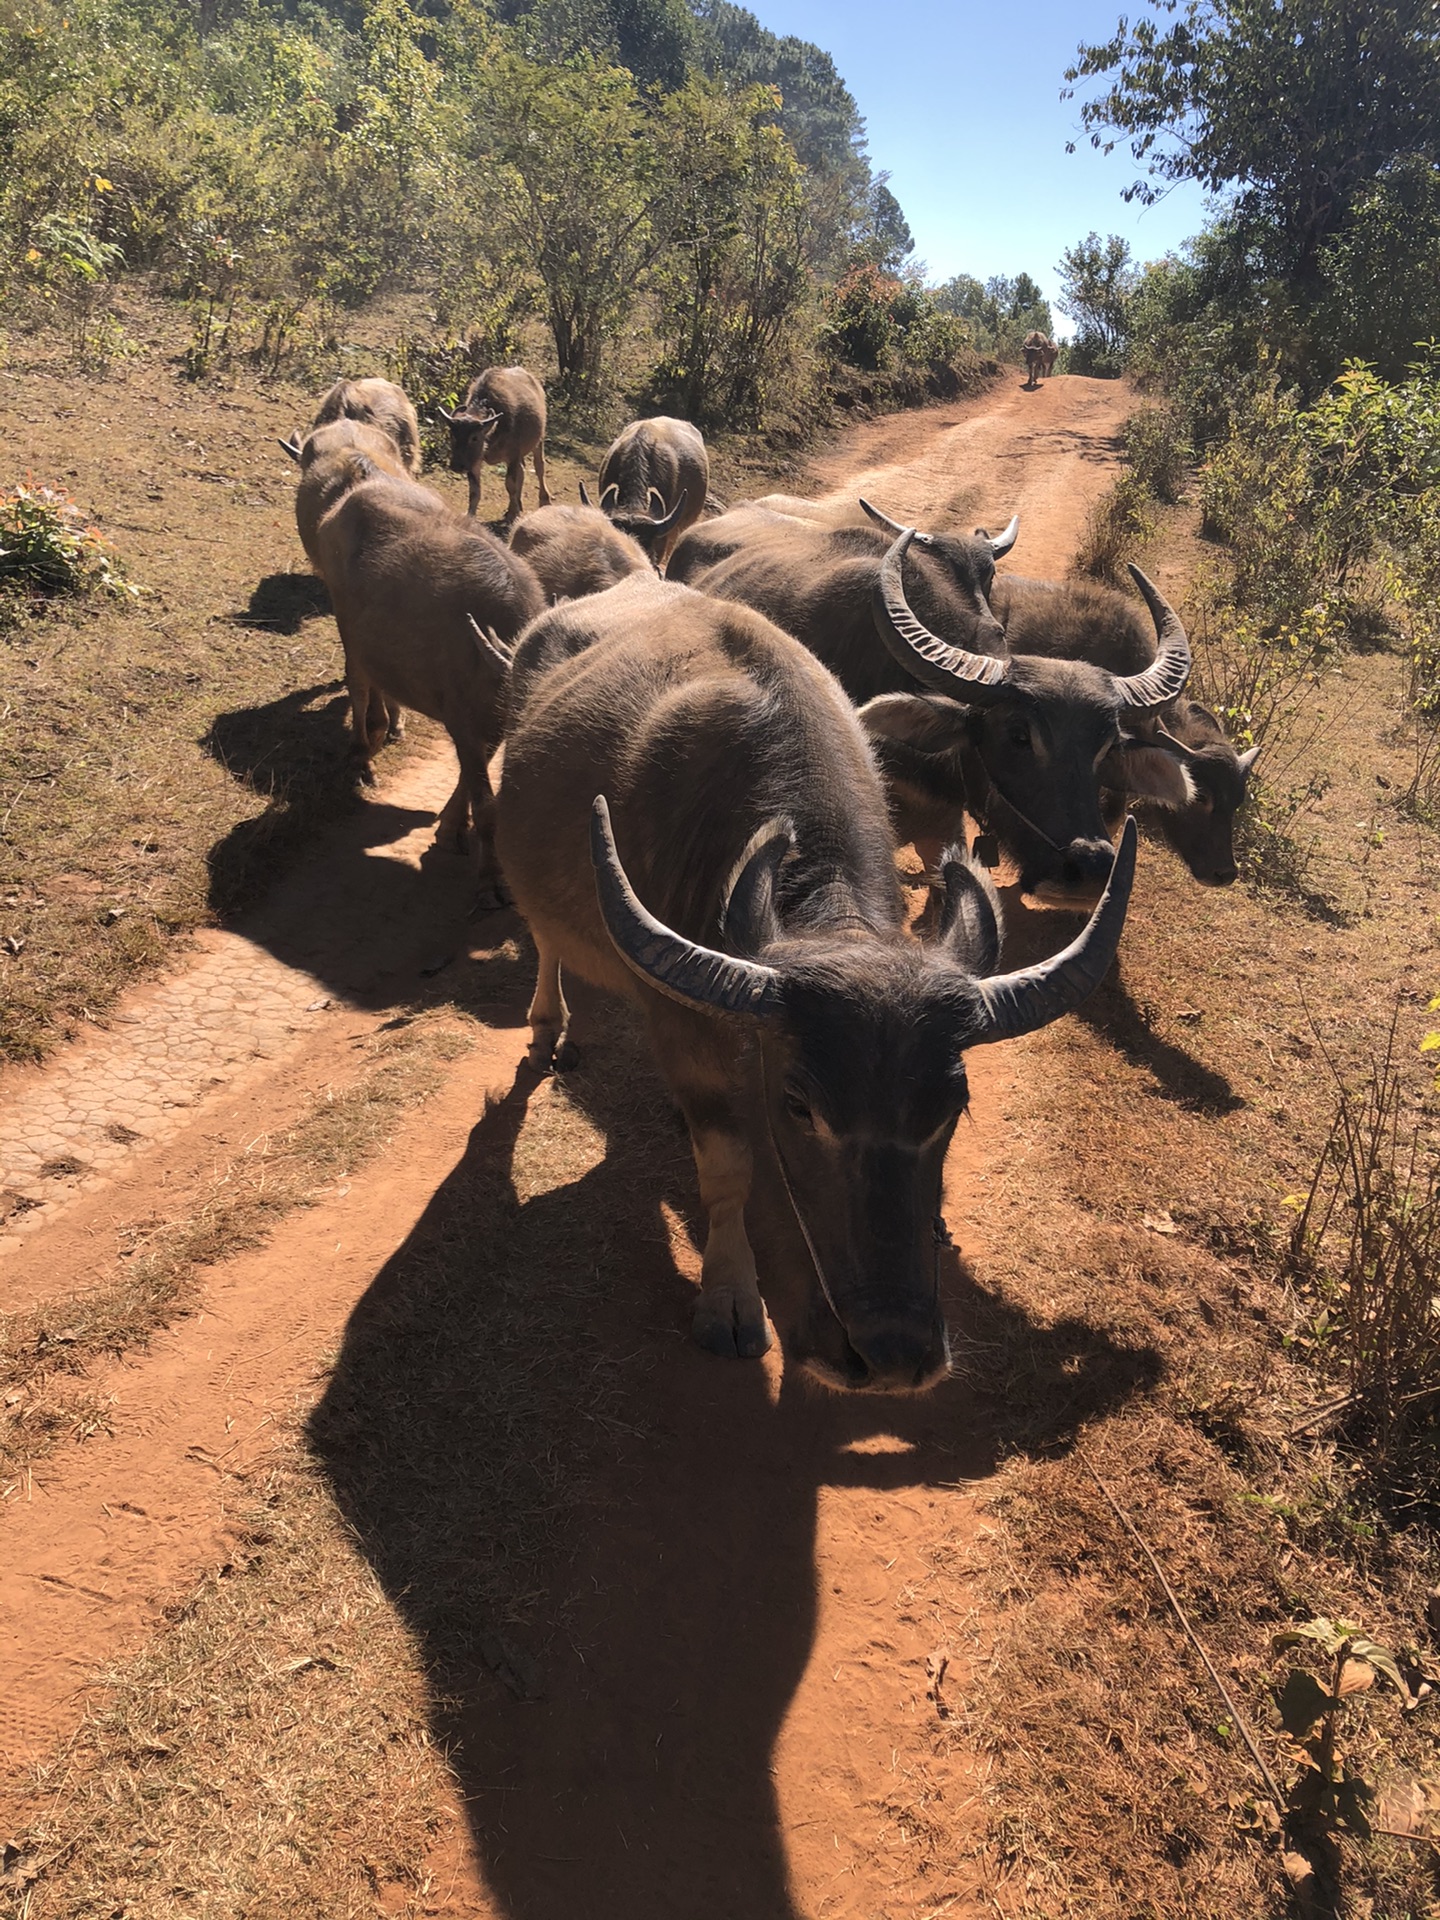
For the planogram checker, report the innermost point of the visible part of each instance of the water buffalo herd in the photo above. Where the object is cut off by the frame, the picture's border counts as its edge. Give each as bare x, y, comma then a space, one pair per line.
718, 726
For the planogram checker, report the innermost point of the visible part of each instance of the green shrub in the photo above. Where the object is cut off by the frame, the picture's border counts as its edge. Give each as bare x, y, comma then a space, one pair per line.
47, 547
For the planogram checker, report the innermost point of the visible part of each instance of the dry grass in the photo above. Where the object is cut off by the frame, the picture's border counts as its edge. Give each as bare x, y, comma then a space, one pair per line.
268, 1753
1121, 525
47, 1352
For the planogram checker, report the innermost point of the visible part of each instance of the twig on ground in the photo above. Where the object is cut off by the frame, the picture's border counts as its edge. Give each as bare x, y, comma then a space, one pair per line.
1241, 1724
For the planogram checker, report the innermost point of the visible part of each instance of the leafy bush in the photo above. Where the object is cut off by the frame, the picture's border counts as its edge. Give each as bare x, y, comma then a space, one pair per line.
1120, 524
47, 546
1158, 452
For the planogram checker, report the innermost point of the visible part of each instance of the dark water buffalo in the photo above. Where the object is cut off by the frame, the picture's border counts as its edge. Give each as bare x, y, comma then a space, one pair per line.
654, 482
711, 541
1078, 620
816, 583
376, 403
425, 602
1023, 743
576, 550
502, 424
691, 817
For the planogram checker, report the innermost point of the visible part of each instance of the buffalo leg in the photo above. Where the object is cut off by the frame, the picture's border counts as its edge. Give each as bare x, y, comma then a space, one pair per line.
359, 687
475, 476
515, 487
540, 474
549, 1017
729, 1315
490, 888
394, 720
452, 827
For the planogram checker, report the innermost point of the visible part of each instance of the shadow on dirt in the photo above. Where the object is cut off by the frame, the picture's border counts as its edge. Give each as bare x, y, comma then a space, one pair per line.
1114, 1014
283, 602
603, 1540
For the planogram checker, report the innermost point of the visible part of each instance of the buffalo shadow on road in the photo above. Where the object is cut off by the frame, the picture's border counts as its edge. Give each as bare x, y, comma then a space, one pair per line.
603, 1540
283, 602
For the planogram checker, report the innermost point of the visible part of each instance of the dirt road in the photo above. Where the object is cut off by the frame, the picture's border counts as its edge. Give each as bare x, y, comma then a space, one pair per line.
684, 1620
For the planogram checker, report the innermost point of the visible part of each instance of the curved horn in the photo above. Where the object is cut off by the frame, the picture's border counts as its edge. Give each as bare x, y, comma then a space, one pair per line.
1032, 997
974, 677
585, 499
748, 919
696, 976
502, 652
1166, 676
291, 447
664, 526
1001, 543
444, 413
969, 925
894, 527
606, 493
1248, 759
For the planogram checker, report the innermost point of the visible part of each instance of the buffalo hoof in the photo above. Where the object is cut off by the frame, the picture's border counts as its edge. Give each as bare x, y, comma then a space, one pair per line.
544, 1055
364, 772
730, 1324
395, 731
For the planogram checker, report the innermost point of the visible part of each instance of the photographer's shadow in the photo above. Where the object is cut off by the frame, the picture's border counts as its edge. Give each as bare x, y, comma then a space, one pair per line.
602, 1539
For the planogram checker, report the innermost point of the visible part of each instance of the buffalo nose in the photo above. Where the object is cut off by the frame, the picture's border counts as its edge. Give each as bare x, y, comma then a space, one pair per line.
1087, 860
900, 1356
1223, 877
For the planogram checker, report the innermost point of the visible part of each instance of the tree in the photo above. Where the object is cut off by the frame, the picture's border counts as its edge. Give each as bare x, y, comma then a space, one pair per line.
882, 233
1096, 285
1298, 106
575, 184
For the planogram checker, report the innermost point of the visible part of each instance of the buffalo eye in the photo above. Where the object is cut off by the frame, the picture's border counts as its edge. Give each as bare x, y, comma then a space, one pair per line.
1019, 735
798, 1108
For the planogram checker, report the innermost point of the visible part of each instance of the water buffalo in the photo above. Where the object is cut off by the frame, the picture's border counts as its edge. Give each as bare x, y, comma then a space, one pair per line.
576, 550
654, 482
1034, 348
1023, 743
378, 403
1078, 620
1050, 353
327, 470
712, 541
690, 816
502, 423
412, 591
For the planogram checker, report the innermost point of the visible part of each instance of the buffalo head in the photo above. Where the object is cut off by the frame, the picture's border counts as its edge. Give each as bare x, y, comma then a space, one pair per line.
470, 436
1028, 742
859, 1074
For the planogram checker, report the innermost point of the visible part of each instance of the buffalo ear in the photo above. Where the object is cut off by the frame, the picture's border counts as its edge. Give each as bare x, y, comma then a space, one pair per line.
927, 721
1147, 773
969, 924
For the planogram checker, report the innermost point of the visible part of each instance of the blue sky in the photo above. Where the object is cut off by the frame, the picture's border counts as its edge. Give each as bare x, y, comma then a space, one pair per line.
962, 102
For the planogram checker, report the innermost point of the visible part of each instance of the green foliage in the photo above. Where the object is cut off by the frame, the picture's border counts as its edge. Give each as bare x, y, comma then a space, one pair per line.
1097, 281
48, 547
884, 325
1327, 1793
999, 311
1158, 451
1295, 107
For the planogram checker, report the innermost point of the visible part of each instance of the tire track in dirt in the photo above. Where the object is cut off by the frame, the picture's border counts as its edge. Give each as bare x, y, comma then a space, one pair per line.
757, 1585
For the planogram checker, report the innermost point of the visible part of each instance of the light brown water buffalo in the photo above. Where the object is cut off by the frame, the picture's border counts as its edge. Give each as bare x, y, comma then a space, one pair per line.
576, 550
327, 470
426, 604
377, 403
1034, 348
1050, 355
502, 424
691, 817
654, 482
1079, 620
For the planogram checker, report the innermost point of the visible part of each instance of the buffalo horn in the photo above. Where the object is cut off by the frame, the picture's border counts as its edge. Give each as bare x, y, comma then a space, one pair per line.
973, 677
1001, 543
1248, 759
664, 524
291, 447
893, 527
585, 499
445, 414
748, 920
502, 652
968, 925
1165, 677
696, 976
1032, 997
